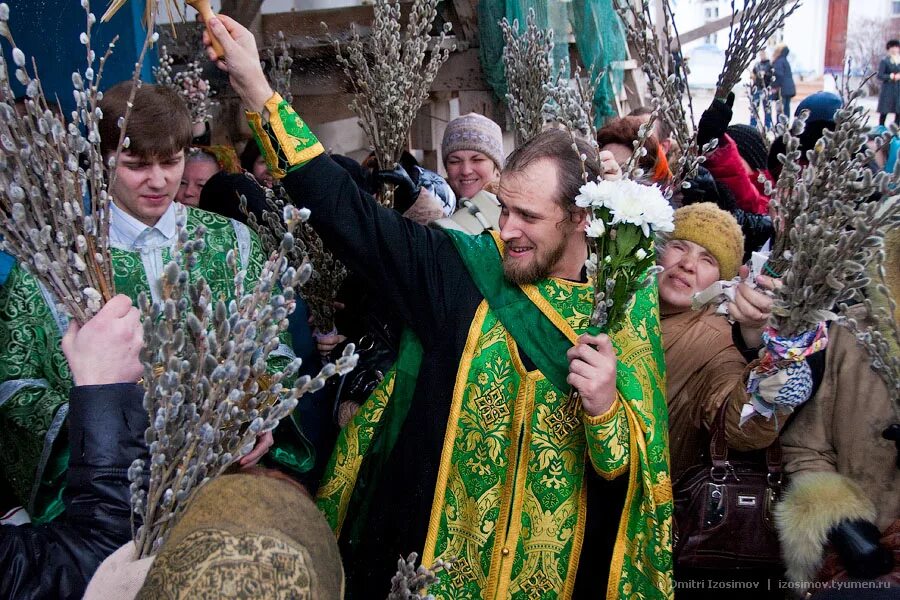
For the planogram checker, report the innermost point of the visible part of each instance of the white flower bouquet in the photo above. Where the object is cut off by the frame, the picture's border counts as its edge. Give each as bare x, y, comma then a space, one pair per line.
624, 218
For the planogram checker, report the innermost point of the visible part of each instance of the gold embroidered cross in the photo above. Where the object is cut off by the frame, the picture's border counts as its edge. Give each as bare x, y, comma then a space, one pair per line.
461, 573
492, 405
536, 586
563, 422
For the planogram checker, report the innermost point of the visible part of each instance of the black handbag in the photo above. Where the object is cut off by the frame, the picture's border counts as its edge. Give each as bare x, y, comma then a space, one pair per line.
723, 507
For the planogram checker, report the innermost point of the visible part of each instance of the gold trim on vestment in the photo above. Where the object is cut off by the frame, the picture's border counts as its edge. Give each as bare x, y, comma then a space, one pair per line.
578, 539
606, 416
459, 389
513, 517
618, 556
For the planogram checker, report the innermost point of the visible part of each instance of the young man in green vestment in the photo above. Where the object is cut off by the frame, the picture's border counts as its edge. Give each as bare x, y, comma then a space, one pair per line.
34, 377
473, 447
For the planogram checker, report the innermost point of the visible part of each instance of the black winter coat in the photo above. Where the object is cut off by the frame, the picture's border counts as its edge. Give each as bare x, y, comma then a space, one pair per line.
889, 97
56, 560
784, 78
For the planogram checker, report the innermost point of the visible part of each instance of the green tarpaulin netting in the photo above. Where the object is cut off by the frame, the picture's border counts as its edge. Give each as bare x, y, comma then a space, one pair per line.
598, 37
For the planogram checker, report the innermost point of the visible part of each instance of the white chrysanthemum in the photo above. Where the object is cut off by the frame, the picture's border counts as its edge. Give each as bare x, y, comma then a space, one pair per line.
640, 254
637, 204
595, 193
658, 213
595, 228
626, 208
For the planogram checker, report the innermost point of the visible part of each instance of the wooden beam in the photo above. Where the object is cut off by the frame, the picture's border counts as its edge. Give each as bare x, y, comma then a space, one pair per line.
709, 28
466, 25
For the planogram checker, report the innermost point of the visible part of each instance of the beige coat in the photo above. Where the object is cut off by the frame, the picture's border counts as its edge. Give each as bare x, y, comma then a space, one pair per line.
703, 370
840, 466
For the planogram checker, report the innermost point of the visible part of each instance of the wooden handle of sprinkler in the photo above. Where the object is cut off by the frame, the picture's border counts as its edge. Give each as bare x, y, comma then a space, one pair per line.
206, 13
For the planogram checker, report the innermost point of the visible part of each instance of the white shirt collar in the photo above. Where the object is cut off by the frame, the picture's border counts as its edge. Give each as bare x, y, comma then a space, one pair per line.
128, 233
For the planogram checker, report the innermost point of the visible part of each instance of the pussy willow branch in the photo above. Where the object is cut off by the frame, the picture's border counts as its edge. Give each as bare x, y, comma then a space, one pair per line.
631, 169
571, 103
879, 332
188, 83
830, 222
757, 22
527, 62
411, 582
210, 387
329, 273
642, 36
391, 73
55, 235
761, 112
280, 62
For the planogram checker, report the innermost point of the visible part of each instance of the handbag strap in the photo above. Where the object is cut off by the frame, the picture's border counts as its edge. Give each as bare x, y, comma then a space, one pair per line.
718, 449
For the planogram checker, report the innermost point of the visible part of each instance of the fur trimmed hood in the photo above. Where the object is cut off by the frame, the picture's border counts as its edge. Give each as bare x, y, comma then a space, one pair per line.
813, 504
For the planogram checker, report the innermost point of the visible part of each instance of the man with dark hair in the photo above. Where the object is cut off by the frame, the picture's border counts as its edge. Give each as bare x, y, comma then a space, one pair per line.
476, 445
144, 220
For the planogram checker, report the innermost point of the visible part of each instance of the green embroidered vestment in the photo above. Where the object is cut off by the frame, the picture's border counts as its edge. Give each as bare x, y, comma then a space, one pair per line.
510, 502
34, 373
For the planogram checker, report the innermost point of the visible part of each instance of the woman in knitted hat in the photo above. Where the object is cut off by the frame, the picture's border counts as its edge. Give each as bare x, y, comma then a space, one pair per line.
704, 369
473, 154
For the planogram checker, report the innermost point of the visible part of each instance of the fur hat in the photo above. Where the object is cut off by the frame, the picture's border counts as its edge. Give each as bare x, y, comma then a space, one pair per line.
262, 535
707, 225
749, 145
474, 132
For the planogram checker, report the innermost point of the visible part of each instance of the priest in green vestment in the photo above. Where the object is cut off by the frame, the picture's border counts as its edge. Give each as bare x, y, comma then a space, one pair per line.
34, 376
474, 446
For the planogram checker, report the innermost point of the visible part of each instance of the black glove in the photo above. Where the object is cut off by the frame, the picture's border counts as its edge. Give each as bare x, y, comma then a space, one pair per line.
406, 189
757, 230
857, 543
715, 120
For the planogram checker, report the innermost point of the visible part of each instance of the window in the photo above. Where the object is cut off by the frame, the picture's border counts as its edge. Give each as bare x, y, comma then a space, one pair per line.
712, 38
895, 8
712, 12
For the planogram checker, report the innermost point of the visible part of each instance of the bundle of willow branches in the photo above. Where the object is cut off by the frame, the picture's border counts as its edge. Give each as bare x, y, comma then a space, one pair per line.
329, 273
668, 88
412, 583
527, 60
213, 395
391, 73
188, 83
832, 215
761, 111
571, 103
756, 23
280, 63
879, 334
46, 224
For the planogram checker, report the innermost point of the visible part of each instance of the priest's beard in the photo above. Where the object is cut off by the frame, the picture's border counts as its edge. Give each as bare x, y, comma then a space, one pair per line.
537, 267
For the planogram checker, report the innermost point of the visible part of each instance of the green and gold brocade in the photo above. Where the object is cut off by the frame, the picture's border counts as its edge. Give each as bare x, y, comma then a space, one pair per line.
33, 443
284, 139
510, 500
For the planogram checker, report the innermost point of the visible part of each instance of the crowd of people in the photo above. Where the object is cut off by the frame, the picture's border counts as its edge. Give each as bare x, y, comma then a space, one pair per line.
485, 424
